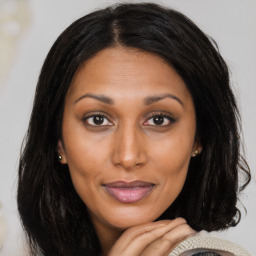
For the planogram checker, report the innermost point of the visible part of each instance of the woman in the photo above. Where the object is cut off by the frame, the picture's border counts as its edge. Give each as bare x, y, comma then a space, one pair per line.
133, 142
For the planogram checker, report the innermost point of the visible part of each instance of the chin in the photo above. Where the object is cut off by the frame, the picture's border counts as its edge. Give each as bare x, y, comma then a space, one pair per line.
132, 217
127, 223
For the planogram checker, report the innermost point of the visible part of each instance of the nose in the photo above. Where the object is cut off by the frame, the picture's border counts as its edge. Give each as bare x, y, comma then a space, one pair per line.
129, 148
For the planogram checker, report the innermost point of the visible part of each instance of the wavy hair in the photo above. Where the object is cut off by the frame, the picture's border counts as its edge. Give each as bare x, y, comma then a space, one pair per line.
54, 217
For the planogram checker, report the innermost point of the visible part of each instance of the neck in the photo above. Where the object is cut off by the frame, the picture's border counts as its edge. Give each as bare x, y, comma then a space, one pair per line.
107, 240
107, 236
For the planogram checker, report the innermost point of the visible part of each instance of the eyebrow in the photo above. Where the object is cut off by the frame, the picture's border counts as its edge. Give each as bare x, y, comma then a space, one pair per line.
101, 98
147, 101
153, 99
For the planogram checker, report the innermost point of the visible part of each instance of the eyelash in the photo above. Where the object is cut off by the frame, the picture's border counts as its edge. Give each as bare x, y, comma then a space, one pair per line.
160, 114
163, 115
86, 118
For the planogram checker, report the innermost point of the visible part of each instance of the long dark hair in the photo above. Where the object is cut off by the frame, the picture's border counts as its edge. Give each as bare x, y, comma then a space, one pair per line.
54, 217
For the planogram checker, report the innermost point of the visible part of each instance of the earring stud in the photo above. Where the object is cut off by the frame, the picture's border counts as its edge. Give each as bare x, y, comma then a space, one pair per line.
59, 157
196, 152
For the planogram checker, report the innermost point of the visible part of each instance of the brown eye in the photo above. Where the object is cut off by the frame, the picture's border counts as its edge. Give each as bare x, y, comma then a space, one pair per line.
97, 120
159, 120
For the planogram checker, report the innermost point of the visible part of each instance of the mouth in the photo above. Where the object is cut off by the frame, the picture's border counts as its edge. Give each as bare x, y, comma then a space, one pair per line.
128, 192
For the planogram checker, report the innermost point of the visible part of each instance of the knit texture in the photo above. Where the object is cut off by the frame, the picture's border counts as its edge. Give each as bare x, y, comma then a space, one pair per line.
206, 254
204, 243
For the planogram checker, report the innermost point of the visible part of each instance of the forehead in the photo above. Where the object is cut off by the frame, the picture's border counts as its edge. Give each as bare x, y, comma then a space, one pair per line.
127, 70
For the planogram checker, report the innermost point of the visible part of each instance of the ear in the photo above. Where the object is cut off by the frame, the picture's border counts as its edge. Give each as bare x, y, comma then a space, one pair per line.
61, 153
197, 148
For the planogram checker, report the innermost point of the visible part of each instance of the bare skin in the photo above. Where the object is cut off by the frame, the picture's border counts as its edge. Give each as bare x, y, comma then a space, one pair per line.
157, 238
128, 134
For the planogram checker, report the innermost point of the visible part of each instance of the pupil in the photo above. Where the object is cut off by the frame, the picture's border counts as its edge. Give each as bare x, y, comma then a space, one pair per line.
158, 120
98, 120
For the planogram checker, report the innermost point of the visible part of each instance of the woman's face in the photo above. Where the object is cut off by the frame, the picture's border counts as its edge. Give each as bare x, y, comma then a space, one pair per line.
128, 135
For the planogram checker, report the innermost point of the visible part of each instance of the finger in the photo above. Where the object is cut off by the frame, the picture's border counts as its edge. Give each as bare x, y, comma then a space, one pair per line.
147, 232
165, 244
131, 233
138, 239
178, 234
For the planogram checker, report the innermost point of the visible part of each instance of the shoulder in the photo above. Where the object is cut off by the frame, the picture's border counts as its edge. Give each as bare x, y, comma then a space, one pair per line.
205, 245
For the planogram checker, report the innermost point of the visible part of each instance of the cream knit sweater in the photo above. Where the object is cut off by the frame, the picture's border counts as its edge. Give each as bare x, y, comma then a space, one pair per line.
205, 243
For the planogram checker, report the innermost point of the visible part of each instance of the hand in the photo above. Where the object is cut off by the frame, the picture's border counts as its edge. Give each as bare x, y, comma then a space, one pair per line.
151, 239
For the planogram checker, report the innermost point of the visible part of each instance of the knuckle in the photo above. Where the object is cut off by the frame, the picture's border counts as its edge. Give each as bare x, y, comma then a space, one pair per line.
165, 239
181, 220
147, 238
187, 229
152, 236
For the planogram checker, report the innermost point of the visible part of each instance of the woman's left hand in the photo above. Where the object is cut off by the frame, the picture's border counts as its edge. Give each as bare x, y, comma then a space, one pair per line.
151, 239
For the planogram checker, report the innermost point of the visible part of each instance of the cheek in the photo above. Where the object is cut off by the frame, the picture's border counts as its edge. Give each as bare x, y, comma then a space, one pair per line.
85, 160
173, 153
85, 168
84, 151
171, 159
87, 157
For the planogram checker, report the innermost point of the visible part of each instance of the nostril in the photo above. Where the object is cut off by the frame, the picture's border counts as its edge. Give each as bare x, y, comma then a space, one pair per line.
131, 160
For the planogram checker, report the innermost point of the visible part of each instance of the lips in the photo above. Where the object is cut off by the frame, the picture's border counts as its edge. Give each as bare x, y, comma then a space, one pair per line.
128, 192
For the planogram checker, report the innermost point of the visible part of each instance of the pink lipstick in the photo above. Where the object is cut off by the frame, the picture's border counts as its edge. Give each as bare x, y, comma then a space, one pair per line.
128, 192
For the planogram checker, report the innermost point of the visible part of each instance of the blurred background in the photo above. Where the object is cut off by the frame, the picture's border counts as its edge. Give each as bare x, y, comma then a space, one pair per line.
28, 28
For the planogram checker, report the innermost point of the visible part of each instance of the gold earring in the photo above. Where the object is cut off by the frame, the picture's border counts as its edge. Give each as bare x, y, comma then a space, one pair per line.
59, 157
196, 152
